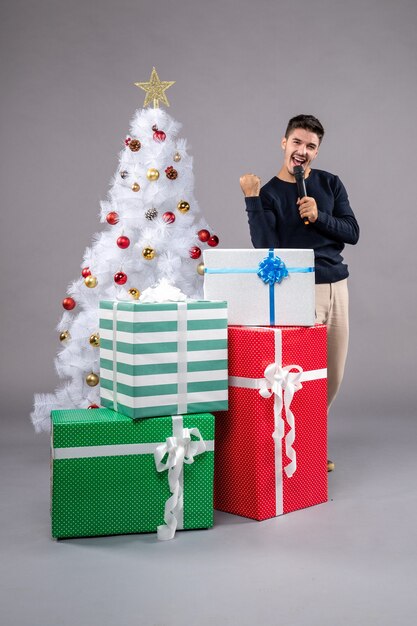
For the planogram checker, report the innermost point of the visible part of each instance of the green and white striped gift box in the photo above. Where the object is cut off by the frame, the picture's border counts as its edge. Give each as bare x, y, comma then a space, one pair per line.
160, 359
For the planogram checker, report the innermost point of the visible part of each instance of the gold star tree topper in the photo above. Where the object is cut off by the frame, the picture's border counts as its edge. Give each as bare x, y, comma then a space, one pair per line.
155, 90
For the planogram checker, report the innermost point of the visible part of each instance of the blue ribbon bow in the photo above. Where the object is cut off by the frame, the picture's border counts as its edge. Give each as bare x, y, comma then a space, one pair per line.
272, 269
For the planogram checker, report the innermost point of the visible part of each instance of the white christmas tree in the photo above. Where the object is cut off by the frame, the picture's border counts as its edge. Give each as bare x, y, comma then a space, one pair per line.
154, 231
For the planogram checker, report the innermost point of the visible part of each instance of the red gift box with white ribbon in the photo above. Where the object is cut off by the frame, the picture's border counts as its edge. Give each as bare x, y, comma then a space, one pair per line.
271, 445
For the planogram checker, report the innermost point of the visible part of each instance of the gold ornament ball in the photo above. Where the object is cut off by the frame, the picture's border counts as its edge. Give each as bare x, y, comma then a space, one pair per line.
92, 380
177, 157
152, 174
90, 281
183, 206
94, 340
135, 293
200, 269
148, 253
64, 336
135, 187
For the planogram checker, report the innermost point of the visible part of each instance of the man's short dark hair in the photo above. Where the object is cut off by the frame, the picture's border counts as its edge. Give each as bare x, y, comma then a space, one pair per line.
307, 122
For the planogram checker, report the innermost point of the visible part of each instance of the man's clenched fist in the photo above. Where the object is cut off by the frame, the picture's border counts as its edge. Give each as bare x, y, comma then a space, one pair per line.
250, 184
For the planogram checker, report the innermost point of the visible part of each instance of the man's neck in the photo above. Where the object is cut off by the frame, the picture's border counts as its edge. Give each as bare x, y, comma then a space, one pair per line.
285, 175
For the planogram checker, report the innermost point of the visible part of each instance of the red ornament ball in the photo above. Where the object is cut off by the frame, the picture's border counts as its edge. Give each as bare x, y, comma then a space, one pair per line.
112, 217
159, 135
168, 217
85, 272
94, 406
68, 304
203, 235
128, 140
213, 241
120, 278
123, 242
195, 252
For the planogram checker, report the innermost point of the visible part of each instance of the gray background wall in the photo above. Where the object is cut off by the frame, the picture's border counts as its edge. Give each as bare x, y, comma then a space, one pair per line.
242, 69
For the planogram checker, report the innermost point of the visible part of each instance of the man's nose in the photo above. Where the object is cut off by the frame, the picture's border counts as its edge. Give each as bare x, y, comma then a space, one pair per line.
302, 149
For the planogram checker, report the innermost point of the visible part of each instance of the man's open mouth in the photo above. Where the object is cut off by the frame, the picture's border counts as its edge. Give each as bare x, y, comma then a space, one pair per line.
298, 160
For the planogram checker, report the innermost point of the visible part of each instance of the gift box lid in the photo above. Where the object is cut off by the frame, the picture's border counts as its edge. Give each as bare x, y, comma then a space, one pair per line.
252, 348
125, 305
100, 427
250, 257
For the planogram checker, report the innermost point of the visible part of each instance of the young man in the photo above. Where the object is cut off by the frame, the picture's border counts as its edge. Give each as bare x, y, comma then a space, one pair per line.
276, 220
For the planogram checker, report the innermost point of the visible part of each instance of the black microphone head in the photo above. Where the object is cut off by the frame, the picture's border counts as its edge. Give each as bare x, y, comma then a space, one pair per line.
298, 171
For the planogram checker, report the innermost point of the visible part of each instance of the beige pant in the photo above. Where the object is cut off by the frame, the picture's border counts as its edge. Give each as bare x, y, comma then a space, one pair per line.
332, 309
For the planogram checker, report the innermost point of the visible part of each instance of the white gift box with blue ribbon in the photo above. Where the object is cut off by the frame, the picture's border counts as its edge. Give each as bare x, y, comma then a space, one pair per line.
263, 287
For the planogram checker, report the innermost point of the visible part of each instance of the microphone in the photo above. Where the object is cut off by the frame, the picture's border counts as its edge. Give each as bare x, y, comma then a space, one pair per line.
301, 185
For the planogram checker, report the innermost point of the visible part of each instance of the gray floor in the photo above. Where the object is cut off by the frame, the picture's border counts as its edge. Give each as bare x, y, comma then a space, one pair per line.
349, 562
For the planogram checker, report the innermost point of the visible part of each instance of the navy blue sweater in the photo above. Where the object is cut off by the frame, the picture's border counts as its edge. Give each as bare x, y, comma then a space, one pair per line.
274, 221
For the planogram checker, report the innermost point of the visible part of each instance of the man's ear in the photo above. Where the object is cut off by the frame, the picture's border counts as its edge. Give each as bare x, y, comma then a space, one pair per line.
283, 143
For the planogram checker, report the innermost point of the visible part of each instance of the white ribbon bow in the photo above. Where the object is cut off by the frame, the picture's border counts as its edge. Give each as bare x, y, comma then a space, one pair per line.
179, 450
277, 380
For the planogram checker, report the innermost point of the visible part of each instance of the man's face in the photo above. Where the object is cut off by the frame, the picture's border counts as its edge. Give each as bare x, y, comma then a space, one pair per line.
301, 148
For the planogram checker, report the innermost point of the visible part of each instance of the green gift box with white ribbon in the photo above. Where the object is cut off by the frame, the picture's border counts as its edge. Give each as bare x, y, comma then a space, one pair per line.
164, 358
113, 475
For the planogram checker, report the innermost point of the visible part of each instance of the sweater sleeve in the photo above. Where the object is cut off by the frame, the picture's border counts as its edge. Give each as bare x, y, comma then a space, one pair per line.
262, 220
341, 225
